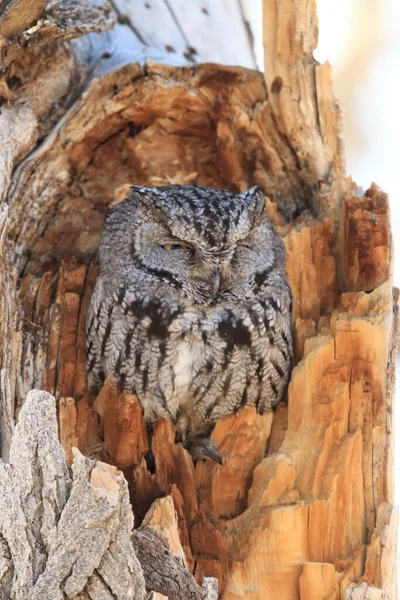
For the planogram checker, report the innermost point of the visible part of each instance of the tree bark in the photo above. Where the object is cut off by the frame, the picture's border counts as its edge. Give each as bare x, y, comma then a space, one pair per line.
62, 535
302, 506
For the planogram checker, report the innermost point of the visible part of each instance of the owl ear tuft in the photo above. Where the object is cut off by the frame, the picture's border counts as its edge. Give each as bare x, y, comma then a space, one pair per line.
255, 201
138, 192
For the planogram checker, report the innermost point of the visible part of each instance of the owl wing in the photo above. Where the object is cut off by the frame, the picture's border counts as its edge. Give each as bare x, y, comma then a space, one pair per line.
96, 325
129, 339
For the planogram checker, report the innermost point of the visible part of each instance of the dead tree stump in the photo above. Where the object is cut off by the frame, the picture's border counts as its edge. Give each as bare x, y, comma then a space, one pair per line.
302, 506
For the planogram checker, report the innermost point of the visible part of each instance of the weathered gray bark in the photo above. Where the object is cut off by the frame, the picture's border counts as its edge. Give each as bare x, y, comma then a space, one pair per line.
164, 571
62, 536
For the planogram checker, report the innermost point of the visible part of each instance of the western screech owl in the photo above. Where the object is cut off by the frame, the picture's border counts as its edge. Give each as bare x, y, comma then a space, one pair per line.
191, 308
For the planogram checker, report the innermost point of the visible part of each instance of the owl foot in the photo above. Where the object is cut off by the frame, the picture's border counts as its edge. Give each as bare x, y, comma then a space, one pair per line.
203, 449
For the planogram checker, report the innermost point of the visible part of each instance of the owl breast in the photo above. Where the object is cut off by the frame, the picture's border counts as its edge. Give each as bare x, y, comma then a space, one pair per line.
204, 364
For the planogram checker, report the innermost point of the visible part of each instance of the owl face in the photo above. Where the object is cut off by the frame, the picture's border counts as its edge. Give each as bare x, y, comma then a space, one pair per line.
208, 244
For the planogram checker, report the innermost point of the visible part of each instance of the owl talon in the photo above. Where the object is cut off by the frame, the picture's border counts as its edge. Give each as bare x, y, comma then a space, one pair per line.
203, 449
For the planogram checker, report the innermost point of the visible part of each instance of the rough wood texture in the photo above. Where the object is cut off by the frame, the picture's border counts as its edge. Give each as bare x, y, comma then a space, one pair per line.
17, 15
302, 506
190, 31
162, 570
301, 99
63, 537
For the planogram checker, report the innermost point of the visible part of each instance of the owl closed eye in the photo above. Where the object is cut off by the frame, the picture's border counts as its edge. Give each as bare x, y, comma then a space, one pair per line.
207, 245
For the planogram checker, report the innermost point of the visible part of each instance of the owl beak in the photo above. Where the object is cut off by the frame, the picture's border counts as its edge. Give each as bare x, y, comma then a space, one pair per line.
203, 449
213, 454
215, 281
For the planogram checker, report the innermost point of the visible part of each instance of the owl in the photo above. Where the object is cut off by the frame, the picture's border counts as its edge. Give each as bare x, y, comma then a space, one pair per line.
191, 310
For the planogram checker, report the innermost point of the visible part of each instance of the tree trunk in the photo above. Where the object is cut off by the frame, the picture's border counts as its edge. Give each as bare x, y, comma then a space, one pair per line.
302, 505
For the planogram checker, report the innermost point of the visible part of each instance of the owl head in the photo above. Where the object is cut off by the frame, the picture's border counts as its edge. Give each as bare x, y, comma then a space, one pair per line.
206, 244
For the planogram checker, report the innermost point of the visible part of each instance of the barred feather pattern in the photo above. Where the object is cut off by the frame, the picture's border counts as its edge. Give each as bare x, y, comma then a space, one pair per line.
191, 310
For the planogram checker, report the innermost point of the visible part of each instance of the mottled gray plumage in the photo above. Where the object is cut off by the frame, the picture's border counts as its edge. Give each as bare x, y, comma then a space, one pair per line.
191, 309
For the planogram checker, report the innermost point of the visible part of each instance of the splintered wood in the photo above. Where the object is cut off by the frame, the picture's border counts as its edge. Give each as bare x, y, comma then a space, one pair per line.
302, 505
54, 309
302, 498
